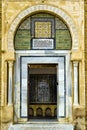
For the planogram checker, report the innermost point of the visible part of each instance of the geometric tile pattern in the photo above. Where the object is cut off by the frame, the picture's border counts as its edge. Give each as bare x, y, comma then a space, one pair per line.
60, 24
55, 10
25, 24
42, 29
43, 26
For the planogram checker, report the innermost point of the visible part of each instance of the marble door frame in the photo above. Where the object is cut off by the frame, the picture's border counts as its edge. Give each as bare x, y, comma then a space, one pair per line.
22, 59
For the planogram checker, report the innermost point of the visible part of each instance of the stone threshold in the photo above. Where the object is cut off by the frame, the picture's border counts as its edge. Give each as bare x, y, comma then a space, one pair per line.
42, 126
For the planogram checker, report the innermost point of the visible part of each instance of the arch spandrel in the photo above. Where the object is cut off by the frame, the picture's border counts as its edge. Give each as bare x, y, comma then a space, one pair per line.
47, 8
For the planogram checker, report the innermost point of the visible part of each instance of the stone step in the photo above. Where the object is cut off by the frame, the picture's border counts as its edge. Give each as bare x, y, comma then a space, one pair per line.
42, 126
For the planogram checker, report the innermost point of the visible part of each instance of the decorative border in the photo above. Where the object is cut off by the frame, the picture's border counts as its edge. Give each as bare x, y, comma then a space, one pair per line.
51, 9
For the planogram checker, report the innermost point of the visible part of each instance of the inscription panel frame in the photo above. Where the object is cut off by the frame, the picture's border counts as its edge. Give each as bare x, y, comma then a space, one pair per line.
46, 44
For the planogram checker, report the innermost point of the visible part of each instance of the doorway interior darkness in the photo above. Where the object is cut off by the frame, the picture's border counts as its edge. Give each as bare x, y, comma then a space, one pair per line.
42, 91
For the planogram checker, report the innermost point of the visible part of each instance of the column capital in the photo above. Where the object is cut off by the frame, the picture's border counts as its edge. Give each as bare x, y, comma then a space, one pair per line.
10, 63
75, 63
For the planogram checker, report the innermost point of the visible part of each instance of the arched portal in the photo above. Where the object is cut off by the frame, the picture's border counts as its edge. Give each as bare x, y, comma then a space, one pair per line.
54, 52
47, 8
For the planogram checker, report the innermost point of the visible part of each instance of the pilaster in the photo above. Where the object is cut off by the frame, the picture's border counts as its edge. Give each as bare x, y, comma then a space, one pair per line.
76, 77
10, 77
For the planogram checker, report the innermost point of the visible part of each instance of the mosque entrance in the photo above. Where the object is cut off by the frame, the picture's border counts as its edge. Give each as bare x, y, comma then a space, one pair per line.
43, 87
42, 91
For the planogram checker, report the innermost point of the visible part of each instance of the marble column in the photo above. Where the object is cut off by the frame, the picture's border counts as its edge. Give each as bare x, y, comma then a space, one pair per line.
76, 77
10, 75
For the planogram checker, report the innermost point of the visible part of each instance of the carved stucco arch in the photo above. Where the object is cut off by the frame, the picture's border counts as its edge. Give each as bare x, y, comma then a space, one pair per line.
51, 9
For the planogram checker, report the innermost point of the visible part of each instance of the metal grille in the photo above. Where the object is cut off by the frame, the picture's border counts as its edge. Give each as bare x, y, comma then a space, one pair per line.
42, 88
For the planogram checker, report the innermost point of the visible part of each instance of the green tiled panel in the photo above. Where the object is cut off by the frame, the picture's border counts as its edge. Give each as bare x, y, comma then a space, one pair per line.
22, 40
63, 40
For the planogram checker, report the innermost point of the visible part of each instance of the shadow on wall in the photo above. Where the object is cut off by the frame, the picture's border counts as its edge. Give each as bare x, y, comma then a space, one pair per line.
7, 114
79, 119
77, 126
6, 117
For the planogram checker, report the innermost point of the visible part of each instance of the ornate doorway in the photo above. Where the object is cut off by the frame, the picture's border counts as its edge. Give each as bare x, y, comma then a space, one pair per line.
40, 70
42, 91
